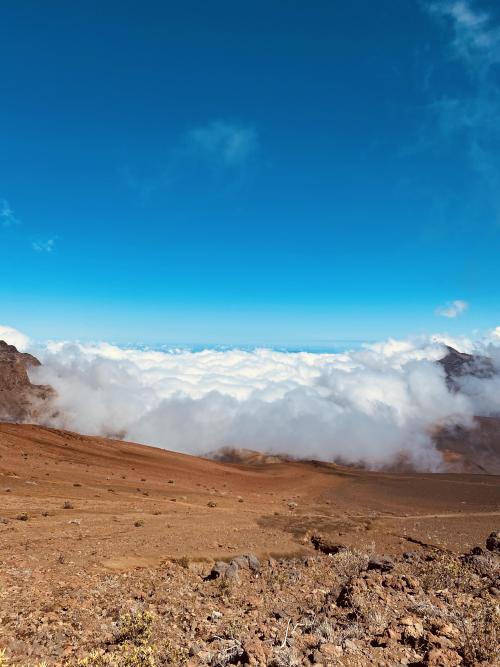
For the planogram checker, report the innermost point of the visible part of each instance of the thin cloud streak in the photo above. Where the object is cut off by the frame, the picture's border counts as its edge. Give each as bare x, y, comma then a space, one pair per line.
224, 143
220, 148
452, 309
43, 246
7, 217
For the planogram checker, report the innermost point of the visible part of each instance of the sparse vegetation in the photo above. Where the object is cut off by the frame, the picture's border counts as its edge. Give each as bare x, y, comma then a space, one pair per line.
345, 607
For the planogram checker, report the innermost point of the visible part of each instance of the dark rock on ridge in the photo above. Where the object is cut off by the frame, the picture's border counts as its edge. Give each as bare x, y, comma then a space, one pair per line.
20, 400
457, 364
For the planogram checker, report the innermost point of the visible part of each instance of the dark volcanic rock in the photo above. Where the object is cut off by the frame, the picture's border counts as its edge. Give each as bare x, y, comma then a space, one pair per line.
493, 542
382, 563
326, 546
457, 364
20, 400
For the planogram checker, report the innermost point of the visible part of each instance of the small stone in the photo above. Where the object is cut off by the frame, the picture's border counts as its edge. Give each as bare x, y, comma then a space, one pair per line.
194, 649
331, 650
218, 569
438, 657
247, 562
232, 571
255, 653
382, 563
444, 629
253, 562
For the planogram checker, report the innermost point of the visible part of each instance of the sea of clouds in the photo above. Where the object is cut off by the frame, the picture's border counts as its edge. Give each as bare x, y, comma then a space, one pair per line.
375, 405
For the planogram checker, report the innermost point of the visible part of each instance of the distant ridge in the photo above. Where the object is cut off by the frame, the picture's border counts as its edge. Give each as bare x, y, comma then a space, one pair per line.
20, 400
457, 364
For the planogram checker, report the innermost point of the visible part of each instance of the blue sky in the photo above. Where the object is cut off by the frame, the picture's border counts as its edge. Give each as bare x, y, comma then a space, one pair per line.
259, 172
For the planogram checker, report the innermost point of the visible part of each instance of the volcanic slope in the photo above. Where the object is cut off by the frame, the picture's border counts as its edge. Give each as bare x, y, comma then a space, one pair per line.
116, 505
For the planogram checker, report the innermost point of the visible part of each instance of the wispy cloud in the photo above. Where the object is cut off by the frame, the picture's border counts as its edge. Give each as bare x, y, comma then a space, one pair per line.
476, 38
473, 115
221, 149
7, 217
452, 309
43, 246
224, 143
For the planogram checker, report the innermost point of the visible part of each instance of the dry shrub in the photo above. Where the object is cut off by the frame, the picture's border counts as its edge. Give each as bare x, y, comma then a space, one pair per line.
349, 563
284, 656
135, 628
324, 629
446, 571
130, 656
133, 648
479, 625
228, 654
172, 654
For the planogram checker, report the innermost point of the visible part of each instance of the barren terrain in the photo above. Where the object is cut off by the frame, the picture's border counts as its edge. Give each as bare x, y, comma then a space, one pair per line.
82, 515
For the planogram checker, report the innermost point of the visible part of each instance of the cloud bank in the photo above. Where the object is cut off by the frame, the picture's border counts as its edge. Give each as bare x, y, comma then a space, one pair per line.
375, 406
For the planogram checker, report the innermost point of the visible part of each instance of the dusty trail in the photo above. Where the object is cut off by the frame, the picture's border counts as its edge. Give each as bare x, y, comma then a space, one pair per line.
447, 515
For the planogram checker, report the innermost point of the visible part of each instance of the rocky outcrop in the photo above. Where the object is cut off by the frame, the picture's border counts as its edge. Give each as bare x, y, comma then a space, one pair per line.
457, 364
20, 400
246, 456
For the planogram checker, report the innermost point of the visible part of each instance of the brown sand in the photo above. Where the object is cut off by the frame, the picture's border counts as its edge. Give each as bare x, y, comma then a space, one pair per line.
133, 505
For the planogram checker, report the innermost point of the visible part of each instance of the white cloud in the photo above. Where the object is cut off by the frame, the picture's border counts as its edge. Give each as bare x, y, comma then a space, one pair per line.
369, 405
452, 309
43, 246
14, 337
7, 217
225, 143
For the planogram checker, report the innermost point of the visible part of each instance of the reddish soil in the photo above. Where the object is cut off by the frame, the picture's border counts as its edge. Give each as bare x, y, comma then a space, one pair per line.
106, 548
267, 509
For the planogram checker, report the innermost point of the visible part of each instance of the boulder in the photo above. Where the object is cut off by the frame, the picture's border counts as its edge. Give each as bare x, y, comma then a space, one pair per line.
493, 542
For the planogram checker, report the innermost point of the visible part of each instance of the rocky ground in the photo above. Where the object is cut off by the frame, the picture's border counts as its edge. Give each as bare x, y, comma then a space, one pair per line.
109, 552
337, 606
